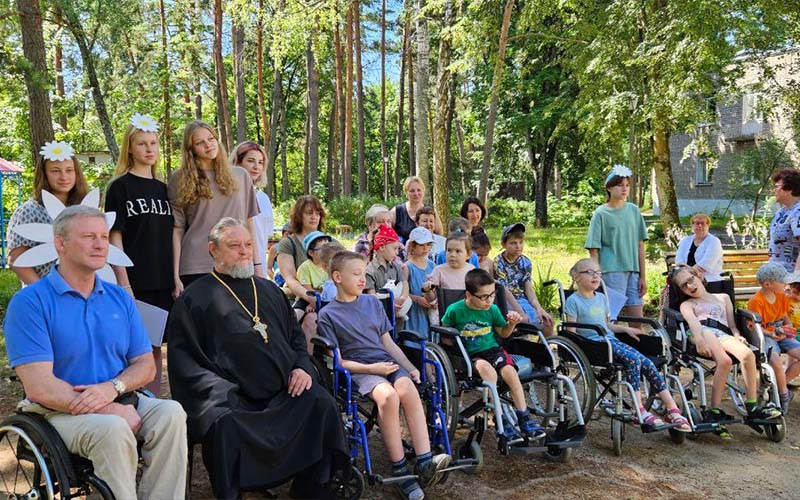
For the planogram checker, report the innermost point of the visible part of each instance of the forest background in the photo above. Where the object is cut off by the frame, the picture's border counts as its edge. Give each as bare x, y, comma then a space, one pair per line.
525, 102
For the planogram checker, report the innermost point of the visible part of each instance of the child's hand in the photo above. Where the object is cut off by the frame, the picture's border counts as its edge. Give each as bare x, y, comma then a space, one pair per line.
702, 348
741, 339
311, 307
423, 302
778, 334
634, 333
513, 317
384, 369
414, 374
545, 318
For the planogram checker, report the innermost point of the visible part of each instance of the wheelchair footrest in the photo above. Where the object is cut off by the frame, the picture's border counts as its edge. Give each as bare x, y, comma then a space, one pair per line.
565, 438
646, 428
709, 427
464, 463
378, 479
758, 421
526, 450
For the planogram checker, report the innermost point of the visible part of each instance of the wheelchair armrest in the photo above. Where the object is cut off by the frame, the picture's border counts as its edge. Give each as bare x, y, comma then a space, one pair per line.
551, 282
323, 342
412, 335
752, 316
569, 324
446, 331
312, 293
522, 329
674, 314
647, 321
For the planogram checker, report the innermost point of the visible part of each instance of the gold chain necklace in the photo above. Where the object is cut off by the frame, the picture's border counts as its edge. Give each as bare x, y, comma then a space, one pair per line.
258, 326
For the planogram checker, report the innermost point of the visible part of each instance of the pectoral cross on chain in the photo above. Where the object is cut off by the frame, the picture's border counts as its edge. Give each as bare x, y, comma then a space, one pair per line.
261, 329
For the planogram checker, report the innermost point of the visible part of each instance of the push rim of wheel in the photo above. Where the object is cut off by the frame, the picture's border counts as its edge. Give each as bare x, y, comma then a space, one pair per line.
574, 364
449, 387
23, 471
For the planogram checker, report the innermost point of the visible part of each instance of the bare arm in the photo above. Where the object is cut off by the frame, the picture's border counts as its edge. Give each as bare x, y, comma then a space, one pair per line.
258, 260
121, 273
26, 275
594, 253
273, 253
177, 242
396, 353
289, 273
729, 314
43, 387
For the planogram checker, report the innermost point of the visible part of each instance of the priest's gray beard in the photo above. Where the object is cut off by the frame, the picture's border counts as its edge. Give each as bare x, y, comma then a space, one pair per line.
240, 271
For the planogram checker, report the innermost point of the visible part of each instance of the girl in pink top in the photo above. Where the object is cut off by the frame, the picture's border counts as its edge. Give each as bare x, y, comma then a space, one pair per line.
451, 274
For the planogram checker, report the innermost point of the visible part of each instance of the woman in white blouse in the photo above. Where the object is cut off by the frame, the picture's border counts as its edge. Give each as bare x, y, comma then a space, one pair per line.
702, 250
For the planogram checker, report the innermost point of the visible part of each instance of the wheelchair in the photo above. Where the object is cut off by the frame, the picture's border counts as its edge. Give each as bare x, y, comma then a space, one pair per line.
701, 367
37, 465
552, 394
614, 395
360, 415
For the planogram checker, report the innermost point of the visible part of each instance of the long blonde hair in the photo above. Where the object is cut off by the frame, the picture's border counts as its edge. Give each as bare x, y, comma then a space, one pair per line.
193, 185
125, 161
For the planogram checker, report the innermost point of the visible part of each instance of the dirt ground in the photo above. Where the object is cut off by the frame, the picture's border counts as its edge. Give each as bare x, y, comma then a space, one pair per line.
651, 467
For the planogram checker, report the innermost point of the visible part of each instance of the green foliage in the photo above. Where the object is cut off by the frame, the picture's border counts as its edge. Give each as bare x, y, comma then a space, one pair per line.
351, 211
547, 295
9, 285
572, 210
750, 177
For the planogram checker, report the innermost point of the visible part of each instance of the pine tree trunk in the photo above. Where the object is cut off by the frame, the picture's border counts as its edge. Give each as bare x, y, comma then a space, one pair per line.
60, 92
362, 167
262, 102
40, 118
274, 123
441, 141
384, 153
166, 95
463, 161
422, 138
312, 138
340, 113
332, 154
412, 147
399, 142
284, 166
348, 106
241, 98
197, 85
497, 80
222, 81
75, 27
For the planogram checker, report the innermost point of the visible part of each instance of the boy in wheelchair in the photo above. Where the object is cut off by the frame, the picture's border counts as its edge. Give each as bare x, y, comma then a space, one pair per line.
477, 317
588, 306
357, 323
711, 320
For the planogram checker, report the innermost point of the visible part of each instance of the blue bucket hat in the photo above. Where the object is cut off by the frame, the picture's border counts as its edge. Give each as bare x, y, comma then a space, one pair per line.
308, 241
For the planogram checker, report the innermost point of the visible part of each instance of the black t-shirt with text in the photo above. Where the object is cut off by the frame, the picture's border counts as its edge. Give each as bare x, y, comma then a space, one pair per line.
145, 219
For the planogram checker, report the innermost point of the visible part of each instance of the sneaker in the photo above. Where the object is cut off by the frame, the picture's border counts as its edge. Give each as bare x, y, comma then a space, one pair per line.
765, 413
716, 416
785, 400
410, 489
723, 432
528, 427
430, 473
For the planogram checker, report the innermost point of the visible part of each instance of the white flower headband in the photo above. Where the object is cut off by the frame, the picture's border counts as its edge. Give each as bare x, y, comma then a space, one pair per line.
619, 170
144, 123
57, 151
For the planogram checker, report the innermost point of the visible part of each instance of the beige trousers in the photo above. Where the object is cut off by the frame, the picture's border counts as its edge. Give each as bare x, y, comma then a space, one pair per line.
108, 442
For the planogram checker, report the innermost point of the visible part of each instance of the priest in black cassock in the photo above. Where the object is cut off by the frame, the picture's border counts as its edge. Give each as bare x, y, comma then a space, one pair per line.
238, 365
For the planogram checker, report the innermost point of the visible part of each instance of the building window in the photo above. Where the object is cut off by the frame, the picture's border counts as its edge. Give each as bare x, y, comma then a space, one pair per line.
751, 108
705, 171
92, 160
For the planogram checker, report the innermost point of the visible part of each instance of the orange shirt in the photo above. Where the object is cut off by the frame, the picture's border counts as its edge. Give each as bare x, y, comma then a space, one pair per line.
770, 313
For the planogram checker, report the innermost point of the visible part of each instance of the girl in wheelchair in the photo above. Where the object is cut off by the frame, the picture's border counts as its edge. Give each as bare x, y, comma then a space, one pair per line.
588, 306
710, 317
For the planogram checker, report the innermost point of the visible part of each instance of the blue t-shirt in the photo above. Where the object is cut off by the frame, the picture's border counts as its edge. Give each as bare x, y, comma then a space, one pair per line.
592, 311
88, 340
441, 258
356, 327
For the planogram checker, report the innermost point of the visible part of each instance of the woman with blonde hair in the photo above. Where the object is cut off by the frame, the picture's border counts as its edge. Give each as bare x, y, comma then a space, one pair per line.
405, 214
143, 223
201, 192
251, 156
57, 171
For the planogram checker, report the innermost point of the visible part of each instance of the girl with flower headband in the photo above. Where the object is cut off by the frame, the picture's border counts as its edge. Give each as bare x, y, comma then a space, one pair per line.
616, 240
58, 172
251, 156
143, 225
201, 192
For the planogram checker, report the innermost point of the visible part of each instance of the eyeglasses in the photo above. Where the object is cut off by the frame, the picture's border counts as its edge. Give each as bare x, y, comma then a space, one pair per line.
688, 282
591, 272
486, 297
778, 186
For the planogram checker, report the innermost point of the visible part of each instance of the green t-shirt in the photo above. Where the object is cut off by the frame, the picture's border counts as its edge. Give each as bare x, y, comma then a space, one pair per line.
476, 326
616, 233
311, 274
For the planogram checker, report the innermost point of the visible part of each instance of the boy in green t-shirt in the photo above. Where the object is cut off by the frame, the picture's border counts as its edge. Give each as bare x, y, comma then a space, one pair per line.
477, 318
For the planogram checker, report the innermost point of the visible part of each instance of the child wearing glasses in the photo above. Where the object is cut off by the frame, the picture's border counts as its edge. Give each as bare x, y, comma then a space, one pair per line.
478, 318
589, 306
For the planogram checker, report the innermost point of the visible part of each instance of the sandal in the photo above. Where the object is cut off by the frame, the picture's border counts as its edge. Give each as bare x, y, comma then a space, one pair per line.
648, 419
674, 417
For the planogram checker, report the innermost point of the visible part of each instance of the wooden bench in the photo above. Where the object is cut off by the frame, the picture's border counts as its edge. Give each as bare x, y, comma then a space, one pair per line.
742, 264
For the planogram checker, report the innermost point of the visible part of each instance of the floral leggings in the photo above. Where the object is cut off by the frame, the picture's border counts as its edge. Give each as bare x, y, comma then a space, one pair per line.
637, 364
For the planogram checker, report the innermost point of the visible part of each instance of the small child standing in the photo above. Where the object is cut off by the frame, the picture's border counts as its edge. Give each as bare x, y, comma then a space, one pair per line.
380, 370
477, 317
589, 306
779, 336
384, 267
452, 273
417, 268
426, 217
457, 225
513, 271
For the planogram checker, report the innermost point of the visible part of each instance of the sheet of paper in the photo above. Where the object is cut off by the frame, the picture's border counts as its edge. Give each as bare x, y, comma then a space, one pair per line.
154, 319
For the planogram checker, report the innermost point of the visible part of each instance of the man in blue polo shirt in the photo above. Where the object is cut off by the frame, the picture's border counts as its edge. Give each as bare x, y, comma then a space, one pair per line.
79, 347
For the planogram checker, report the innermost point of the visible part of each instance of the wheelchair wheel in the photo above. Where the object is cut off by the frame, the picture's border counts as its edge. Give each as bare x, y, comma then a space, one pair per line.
616, 435
696, 418
449, 387
38, 464
562, 455
776, 432
573, 363
462, 451
736, 389
348, 489
676, 436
